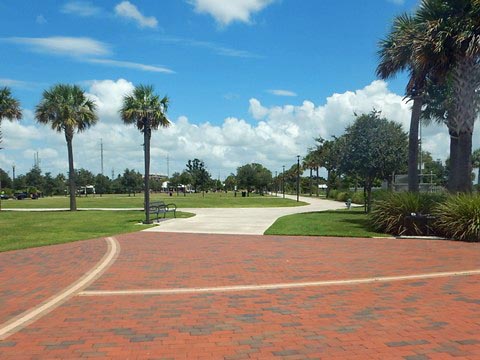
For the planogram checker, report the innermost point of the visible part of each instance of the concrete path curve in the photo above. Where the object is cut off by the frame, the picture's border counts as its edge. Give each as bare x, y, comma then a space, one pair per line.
241, 221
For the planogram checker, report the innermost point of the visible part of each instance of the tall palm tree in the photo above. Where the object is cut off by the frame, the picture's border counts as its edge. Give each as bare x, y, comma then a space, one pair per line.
9, 107
66, 109
397, 54
452, 29
147, 111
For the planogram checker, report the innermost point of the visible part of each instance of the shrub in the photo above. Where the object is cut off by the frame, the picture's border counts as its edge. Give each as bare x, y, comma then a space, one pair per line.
459, 217
332, 194
342, 196
389, 215
358, 198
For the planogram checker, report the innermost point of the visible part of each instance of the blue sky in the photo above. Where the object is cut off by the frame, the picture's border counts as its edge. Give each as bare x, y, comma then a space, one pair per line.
249, 80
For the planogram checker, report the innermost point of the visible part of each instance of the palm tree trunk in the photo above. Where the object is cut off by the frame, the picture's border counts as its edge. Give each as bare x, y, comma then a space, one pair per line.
452, 178
413, 144
318, 180
464, 183
71, 170
146, 150
466, 79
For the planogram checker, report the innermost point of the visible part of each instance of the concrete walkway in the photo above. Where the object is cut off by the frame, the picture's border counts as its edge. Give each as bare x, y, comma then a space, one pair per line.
242, 221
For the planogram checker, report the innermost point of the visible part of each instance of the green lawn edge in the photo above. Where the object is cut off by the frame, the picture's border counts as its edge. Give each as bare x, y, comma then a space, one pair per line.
22, 230
334, 223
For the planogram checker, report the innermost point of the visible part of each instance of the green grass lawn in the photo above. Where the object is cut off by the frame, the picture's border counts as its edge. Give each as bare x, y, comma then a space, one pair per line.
20, 230
211, 200
343, 223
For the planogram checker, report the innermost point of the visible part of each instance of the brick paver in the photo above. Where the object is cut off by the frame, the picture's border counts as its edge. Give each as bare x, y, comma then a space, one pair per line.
415, 319
29, 277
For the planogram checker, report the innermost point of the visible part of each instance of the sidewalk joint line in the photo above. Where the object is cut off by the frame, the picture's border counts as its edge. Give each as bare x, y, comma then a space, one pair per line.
29, 316
220, 289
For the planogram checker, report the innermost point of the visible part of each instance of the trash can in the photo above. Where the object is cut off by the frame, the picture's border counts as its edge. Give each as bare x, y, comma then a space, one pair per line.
244, 194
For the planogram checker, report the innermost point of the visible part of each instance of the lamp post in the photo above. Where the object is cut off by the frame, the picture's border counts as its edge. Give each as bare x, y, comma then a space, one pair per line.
276, 183
283, 181
298, 177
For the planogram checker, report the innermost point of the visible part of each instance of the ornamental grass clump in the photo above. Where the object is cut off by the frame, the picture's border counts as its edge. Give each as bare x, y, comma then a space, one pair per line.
458, 217
392, 214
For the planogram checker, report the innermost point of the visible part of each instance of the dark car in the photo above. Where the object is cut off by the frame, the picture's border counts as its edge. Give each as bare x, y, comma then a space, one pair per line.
20, 195
4, 196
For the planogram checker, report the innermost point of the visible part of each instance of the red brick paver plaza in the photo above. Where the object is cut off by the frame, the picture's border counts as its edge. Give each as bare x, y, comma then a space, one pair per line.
427, 318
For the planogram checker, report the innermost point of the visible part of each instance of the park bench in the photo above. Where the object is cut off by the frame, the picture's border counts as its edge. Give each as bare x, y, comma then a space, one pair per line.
159, 207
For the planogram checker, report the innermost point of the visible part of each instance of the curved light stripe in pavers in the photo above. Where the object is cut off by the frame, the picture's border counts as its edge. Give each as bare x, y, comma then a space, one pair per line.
29, 316
220, 289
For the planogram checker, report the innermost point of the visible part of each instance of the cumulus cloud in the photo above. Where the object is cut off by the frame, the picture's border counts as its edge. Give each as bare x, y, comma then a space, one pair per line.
274, 138
80, 8
63, 45
129, 11
226, 12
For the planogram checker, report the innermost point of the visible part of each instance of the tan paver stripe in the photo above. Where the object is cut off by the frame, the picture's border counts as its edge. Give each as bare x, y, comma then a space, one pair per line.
29, 316
220, 289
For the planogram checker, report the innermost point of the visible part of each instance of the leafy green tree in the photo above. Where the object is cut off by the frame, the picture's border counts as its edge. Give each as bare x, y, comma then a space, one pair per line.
66, 109
148, 112
254, 177
48, 184
103, 184
230, 182
5, 181
84, 177
131, 181
374, 148
199, 175
60, 184
9, 108
34, 178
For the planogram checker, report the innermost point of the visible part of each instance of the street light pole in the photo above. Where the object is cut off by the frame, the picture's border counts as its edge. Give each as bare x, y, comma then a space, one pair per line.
298, 177
276, 183
283, 181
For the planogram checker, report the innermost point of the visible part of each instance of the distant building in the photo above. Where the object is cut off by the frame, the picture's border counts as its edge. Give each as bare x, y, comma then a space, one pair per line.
158, 177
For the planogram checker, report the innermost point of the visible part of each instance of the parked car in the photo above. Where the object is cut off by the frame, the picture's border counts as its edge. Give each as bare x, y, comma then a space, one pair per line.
20, 195
4, 196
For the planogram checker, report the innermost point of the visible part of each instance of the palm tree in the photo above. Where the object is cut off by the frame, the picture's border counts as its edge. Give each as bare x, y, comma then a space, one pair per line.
452, 29
397, 54
66, 109
9, 107
147, 111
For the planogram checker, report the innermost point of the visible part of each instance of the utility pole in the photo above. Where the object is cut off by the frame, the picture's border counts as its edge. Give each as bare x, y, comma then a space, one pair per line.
168, 166
101, 155
283, 181
13, 177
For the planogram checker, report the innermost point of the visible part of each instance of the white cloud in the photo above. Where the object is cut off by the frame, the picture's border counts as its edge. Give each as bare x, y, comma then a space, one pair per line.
274, 139
397, 2
63, 45
131, 65
108, 96
16, 83
279, 92
216, 48
127, 10
40, 19
226, 12
80, 8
